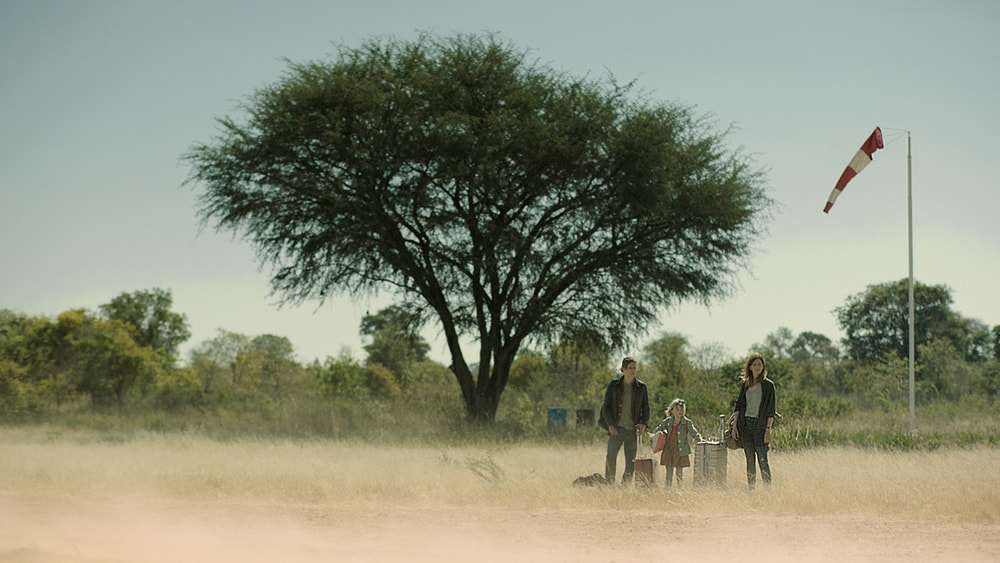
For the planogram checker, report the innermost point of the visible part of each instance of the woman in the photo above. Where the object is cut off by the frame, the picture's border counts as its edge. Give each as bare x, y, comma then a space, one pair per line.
755, 417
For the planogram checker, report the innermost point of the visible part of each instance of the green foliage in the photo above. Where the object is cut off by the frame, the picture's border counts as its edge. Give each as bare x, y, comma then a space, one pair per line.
991, 379
509, 202
882, 439
573, 374
876, 321
977, 340
150, 321
215, 362
273, 358
70, 369
13, 390
808, 407
569, 377
666, 369
381, 382
942, 372
395, 340
341, 377
995, 342
110, 364
529, 372
178, 390
777, 344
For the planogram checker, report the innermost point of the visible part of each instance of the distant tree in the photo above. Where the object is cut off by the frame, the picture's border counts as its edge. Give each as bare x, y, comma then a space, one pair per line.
15, 358
588, 342
777, 344
109, 363
729, 378
709, 356
395, 339
942, 372
382, 382
876, 320
13, 388
25, 358
214, 361
529, 371
571, 372
813, 346
978, 341
667, 358
348, 379
505, 200
150, 320
276, 362
991, 379
995, 340
341, 377
55, 355
178, 389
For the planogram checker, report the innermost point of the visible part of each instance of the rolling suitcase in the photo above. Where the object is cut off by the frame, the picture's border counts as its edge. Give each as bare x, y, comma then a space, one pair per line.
710, 463
710, 457
644, 471
645, 466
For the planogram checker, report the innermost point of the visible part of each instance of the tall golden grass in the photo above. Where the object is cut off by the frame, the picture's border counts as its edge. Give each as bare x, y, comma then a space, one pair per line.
957, 485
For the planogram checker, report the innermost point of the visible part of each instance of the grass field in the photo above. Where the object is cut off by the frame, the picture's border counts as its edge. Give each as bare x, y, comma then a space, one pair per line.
88, 497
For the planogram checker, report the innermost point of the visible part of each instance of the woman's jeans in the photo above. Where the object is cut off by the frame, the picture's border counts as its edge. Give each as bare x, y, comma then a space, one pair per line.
755, 450
626, 437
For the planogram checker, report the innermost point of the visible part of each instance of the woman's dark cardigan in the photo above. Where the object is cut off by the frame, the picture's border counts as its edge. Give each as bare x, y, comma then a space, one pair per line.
766, 401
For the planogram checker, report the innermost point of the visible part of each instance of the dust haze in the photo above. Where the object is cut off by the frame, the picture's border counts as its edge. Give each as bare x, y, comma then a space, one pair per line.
85, 498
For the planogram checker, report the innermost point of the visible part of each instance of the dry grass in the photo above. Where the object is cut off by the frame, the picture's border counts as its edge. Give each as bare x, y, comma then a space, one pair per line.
322, 494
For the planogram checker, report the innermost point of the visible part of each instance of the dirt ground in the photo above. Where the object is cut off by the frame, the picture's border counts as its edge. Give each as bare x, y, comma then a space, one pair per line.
36, 528
81, 498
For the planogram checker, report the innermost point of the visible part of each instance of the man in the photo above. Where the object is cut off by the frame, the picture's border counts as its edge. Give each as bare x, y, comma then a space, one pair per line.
624, 414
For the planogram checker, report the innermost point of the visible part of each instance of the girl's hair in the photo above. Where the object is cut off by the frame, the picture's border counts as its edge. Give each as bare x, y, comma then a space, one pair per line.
676, 402
747, 375
626, 361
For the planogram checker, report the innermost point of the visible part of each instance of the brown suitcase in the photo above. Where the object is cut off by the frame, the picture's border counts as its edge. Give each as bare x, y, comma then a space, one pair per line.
645, 464
644, 467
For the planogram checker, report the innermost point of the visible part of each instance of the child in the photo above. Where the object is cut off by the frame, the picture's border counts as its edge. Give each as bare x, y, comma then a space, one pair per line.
679, 430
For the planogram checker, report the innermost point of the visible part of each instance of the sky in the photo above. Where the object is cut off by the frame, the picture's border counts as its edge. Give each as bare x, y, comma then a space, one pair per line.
100, 99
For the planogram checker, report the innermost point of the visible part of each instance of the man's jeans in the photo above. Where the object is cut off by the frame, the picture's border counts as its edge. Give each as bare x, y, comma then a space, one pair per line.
755, 450
626, 436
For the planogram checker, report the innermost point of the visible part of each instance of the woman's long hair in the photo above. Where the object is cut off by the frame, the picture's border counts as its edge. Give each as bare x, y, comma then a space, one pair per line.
747, 375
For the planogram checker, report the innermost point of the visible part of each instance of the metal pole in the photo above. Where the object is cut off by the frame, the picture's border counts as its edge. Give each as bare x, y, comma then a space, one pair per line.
909, 228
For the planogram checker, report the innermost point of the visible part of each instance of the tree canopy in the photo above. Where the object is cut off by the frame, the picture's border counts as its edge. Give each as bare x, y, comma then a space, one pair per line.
876, 321
149, 318
395, 339
506, 200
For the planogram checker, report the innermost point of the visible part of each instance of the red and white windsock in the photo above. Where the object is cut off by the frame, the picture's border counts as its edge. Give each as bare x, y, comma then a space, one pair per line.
856, 165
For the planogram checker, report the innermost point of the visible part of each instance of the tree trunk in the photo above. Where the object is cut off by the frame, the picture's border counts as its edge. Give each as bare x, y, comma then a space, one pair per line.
480, 400
482, 397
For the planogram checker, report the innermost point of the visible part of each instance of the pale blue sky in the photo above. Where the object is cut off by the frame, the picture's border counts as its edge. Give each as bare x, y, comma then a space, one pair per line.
101, 98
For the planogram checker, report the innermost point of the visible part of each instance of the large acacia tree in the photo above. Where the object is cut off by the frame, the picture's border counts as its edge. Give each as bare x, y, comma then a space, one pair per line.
503, 199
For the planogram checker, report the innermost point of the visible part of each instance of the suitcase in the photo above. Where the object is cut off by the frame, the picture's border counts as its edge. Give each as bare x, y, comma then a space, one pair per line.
645, 468
710, 463
645, 465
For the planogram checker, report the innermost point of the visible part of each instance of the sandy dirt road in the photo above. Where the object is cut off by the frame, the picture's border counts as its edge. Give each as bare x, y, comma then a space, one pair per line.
36, 529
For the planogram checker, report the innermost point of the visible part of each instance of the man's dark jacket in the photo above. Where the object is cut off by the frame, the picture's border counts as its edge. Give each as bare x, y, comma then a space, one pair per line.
611, 408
